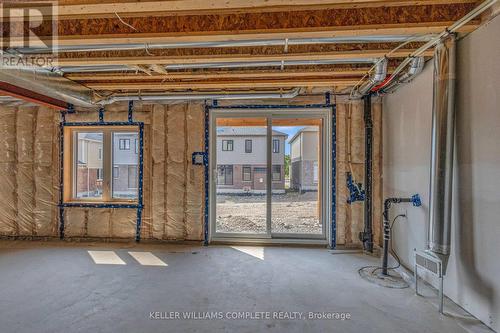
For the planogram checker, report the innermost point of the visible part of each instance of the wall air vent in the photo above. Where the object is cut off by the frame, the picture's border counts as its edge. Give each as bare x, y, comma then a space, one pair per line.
432, 264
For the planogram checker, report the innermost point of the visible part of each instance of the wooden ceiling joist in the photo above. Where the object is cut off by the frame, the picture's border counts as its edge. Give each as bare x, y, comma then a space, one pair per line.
215, 75
242, 84
228, 58
110, 22
78, 9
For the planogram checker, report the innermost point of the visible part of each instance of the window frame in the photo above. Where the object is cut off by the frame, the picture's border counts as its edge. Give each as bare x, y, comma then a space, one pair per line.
128, 177
225, 167
227, 145
70, 162
125, 145
273, 173
100, 174
248, 150
249, 173
116, 174
276, 148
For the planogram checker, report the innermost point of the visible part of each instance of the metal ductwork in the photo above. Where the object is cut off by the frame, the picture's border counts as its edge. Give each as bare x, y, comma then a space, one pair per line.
246, 64
416, 67
195, 96
44, 82
229, 43
443, 119
376, 78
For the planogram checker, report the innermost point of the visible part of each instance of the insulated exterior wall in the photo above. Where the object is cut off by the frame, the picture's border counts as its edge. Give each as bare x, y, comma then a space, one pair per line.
351, 158
173, 187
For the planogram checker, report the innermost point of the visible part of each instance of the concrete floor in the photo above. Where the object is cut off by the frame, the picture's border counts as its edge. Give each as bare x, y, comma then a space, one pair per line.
57, 287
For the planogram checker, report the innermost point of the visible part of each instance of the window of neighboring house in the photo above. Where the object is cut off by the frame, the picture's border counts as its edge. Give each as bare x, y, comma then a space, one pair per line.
125, 184
224, 175
248, 146
89, 152
136, 146
82, 151
276, 146
276, 173
99, 174
87, 177
247, 173
227, 145
124, 144
132, 176
116, 172
315, 171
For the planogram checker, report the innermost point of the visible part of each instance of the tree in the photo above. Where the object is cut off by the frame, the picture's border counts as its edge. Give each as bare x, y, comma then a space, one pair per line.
287, 166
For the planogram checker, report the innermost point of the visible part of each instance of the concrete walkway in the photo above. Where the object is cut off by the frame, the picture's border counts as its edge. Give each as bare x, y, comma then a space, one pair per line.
62, 287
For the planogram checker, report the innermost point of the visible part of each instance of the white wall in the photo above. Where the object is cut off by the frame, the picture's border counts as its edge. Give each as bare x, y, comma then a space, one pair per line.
258, 154
473, 276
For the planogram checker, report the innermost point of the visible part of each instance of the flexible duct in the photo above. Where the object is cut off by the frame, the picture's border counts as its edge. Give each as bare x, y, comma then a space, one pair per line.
376, 78
445, 33
416, 66
443, 118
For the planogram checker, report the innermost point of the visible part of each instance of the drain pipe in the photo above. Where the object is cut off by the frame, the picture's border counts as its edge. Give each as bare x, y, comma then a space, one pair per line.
443, 128
366, 236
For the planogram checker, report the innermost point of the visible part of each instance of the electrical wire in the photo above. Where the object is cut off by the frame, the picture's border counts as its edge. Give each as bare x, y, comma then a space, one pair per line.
392, 251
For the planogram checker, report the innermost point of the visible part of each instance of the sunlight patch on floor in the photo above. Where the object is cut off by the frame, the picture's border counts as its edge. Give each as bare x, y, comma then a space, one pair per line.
254, 251
147, 259
106, 258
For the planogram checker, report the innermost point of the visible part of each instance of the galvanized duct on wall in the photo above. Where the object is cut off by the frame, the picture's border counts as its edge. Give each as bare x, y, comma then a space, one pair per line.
443, 119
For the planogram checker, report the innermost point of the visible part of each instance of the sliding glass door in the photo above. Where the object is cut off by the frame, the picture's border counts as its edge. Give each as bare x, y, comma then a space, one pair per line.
268, 174
241, 183
296, 199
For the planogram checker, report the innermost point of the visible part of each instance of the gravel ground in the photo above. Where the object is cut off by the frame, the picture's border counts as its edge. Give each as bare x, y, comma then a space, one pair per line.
292, 213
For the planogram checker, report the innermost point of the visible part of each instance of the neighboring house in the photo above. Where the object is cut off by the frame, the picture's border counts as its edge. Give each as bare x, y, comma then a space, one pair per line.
89, 173
241, 160
90, 165
125, 164
304, 152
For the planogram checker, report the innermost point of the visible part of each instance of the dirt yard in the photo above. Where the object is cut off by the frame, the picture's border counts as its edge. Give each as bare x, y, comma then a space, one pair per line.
291, 213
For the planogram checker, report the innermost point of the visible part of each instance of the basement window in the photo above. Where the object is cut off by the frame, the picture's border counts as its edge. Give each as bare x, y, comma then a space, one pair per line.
99, 165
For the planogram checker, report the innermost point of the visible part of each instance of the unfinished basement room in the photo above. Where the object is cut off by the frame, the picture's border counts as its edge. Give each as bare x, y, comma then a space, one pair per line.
249, 166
